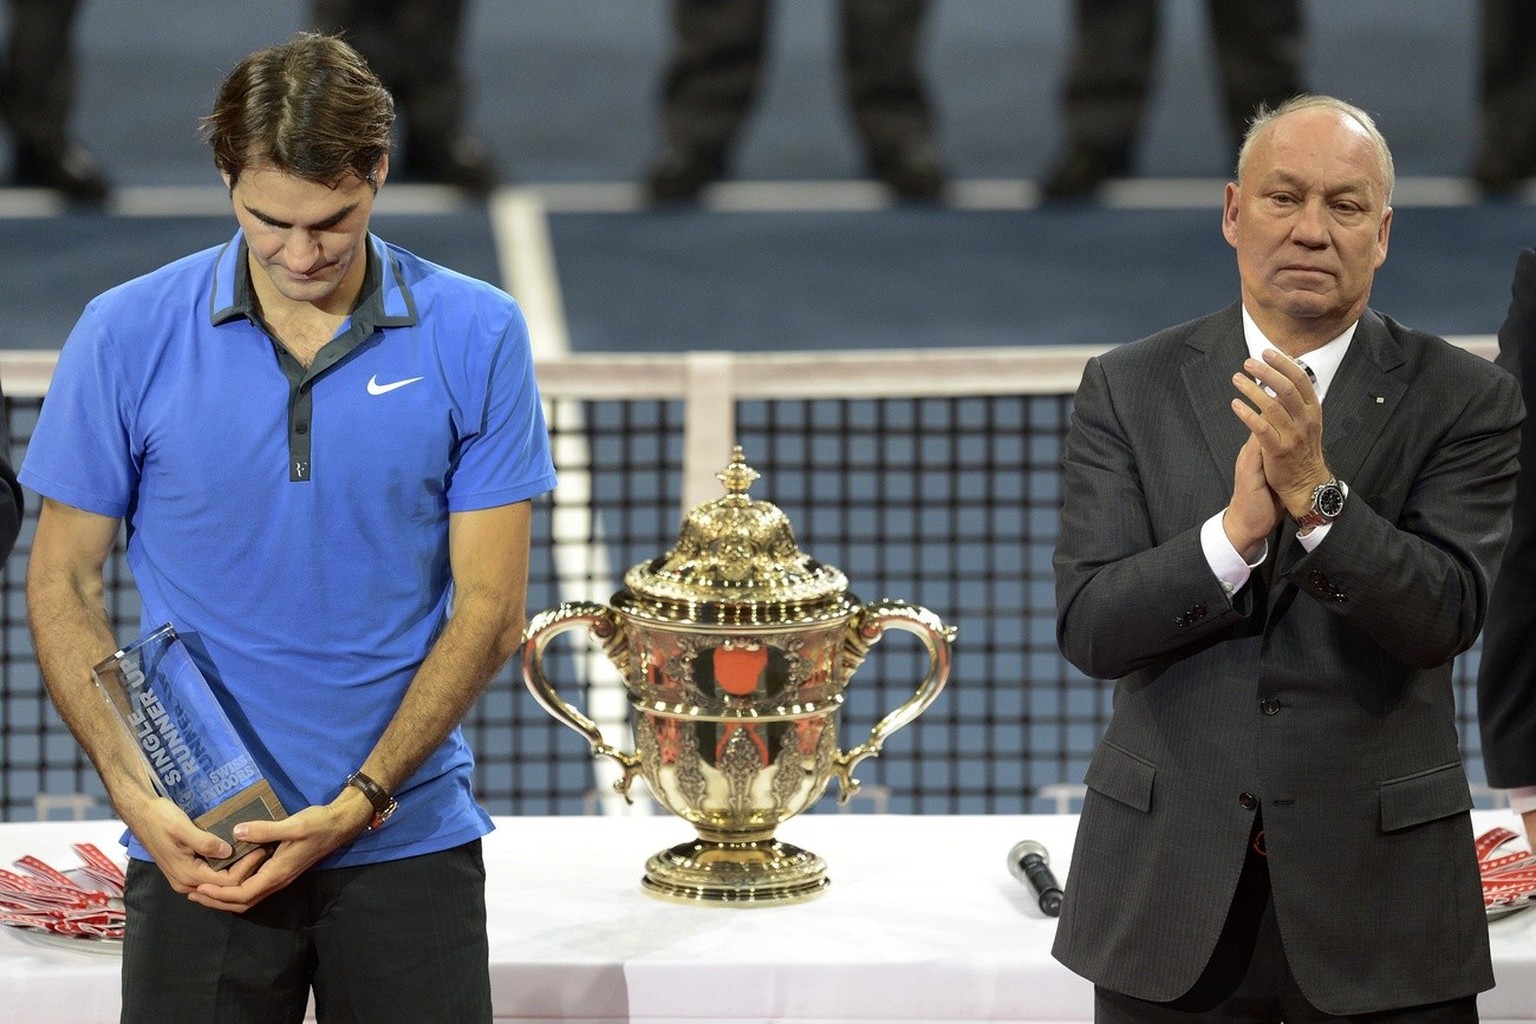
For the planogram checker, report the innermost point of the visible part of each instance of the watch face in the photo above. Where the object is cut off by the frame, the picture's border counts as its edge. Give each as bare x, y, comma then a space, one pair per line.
1330, 501
380, 817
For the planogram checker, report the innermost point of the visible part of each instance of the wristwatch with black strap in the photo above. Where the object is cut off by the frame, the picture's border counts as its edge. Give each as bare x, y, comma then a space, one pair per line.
384, 805
1327, 504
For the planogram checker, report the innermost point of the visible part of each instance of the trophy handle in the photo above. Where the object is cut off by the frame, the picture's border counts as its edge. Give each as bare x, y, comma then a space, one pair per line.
605, 627
863, 633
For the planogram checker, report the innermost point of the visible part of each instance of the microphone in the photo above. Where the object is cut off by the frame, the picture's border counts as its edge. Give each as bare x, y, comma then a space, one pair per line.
1028, 861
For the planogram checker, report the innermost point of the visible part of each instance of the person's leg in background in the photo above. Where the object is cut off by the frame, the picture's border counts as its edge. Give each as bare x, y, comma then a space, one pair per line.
37, 97
1108, 74
880, 41
414, 47
710, 84
1258, 53
1507, 91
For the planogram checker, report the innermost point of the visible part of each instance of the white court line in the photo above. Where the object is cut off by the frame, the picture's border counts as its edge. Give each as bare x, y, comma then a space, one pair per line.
976, 194
212, 200
583, 572
526, 260
825, 196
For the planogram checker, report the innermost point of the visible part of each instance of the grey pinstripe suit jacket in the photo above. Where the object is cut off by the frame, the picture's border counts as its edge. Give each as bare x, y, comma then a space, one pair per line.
1322, 688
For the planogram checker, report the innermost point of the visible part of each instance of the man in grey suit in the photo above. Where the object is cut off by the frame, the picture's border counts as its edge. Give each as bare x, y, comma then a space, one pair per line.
1278, 574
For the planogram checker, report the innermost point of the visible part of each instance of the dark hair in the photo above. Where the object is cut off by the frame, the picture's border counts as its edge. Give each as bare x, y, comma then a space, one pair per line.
310, 107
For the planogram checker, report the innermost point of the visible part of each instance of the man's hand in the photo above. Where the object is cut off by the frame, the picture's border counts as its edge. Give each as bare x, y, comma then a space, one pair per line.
302, 840
1255, 510
1529, 817
179, 847
1283, 414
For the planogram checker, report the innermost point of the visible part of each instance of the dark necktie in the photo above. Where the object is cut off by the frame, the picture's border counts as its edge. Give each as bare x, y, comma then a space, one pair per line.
1310, 375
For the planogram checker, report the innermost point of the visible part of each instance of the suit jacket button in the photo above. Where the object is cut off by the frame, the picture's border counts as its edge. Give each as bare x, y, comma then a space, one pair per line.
1247, 801
1197, 612
1269, 706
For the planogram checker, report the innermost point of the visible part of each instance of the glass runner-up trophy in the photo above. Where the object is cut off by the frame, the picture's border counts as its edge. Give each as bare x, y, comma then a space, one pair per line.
191, 751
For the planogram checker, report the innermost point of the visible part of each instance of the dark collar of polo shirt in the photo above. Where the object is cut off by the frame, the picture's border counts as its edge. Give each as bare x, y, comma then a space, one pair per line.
373, 310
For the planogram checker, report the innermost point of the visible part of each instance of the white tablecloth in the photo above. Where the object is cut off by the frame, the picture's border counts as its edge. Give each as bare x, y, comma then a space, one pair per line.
922, 923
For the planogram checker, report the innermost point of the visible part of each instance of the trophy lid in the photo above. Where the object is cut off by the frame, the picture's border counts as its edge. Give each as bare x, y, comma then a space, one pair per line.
735, 562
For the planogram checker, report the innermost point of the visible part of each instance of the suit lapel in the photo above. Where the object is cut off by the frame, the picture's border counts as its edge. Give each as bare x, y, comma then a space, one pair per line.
1362, 397
1217, 352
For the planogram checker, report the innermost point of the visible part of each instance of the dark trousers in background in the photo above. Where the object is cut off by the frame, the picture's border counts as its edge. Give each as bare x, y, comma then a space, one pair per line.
1258, 46
37, 86
1507, 92
413, 46
717, 64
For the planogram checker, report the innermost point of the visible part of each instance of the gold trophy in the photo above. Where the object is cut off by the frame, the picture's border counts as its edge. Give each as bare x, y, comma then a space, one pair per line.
735, 649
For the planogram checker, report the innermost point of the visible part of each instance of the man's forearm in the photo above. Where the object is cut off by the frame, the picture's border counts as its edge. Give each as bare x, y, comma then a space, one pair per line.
70, 635
479, 637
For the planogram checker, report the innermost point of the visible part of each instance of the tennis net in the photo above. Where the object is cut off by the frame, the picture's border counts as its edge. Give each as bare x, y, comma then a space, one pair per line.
927, 476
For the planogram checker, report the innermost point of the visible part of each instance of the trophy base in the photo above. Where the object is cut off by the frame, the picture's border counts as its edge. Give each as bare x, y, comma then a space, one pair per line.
753, 872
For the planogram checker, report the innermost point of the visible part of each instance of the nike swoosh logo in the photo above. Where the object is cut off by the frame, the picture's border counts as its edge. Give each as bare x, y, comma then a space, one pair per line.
375, 388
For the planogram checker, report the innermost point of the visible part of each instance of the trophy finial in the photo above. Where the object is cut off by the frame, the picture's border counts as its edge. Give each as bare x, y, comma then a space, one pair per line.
738, 476
735, 558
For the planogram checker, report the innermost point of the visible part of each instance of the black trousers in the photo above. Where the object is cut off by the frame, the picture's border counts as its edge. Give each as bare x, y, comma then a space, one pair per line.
403, 941
37, 86
1249, 980
1507, 86
413, 46
1109, 74
717, 63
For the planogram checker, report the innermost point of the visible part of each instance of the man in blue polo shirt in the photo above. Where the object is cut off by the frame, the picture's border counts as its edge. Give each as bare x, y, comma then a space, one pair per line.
324, 449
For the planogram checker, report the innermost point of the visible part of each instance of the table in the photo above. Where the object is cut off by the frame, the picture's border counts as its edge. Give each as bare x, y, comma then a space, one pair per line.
923, 923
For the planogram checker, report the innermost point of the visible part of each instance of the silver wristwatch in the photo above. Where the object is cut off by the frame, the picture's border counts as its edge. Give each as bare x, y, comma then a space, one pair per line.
1327, 503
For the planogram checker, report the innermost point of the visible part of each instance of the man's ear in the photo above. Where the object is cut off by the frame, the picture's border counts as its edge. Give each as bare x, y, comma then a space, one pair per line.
1229, 205
1382, 233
